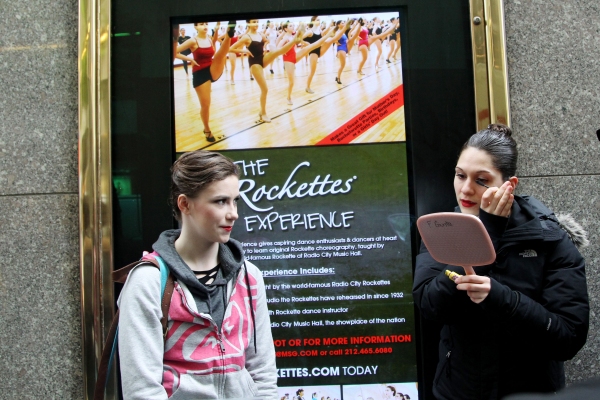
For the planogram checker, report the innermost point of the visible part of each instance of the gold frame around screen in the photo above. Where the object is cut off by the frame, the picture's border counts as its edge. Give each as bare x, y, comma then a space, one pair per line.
95, 194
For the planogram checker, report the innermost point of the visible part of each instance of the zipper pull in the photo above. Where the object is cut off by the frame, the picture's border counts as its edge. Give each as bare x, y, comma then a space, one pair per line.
448, 354
222, 346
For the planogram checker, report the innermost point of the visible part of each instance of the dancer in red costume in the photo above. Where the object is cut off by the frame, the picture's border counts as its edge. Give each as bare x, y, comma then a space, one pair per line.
365, 41
207, 66
293, 56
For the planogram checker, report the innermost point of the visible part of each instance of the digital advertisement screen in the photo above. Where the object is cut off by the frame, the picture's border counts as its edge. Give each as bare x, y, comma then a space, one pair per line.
324, 209
365, 106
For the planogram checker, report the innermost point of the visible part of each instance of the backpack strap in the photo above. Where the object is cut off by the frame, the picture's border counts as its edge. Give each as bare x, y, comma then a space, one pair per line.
166, 288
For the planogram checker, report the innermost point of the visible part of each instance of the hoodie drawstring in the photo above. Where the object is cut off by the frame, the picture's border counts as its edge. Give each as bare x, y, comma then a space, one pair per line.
251, 304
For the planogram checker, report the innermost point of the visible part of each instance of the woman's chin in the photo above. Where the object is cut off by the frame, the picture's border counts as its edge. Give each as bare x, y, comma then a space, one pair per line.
470, 210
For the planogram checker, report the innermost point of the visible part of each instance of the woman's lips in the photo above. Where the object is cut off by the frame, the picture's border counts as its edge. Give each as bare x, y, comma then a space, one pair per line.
227, 228
467, 203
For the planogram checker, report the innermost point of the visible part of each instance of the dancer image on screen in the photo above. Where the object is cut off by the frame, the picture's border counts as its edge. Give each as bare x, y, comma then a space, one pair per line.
208, 66
365, 41
272, 36
232, 57
218, 342
293, 56
181, 39
377, 30
393, 42
314, 34
252, 43
507, 326
397, 35
345, 43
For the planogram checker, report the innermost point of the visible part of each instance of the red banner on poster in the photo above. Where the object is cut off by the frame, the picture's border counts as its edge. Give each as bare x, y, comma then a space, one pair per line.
366, 119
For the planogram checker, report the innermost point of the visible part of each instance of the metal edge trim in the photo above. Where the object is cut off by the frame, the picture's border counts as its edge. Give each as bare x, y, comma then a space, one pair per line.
95, 187
497, 65
480, 67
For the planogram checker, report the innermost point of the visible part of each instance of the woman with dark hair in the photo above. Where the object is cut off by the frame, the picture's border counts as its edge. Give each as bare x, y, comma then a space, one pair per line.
208, 66
218, 343
254, 43
509, 327
390, 392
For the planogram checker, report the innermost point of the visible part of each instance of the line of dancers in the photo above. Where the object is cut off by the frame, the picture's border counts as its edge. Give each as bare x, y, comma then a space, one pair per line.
264, 47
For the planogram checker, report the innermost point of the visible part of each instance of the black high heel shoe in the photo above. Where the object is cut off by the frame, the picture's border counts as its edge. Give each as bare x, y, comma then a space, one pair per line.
231, 29
210, 138
338, 81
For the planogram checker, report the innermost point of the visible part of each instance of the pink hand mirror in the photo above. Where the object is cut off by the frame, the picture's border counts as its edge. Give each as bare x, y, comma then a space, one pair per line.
456, 239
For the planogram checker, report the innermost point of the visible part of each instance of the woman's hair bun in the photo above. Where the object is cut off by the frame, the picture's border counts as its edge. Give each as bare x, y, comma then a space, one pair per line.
501, 129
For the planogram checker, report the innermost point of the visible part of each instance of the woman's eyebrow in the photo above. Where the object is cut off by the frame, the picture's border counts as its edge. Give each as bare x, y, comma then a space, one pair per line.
478, 172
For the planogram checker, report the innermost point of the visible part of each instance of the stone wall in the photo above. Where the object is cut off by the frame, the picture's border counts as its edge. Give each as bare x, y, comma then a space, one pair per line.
554, 82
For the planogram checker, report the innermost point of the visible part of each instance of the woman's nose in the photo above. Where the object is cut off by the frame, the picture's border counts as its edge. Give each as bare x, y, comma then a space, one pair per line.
468, 186
233, 214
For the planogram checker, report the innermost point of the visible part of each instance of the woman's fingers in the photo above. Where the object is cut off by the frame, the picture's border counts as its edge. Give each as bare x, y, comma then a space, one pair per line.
498, 201
477, 287
505, 203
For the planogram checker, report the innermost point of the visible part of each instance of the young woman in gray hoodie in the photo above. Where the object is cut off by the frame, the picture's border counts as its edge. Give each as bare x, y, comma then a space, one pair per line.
219, 343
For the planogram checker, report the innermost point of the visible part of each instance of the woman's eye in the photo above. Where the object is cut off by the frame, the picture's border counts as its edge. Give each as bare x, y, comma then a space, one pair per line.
460, 176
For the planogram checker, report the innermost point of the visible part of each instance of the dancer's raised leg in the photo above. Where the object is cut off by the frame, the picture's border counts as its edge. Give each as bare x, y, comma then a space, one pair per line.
300, 54
352, 36
220, 58
331, 39
383, 34
269, 57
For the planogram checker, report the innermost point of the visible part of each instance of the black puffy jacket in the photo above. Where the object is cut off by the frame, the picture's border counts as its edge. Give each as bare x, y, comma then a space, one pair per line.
535, 316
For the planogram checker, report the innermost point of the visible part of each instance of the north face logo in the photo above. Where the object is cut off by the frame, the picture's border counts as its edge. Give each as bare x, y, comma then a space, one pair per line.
528, 253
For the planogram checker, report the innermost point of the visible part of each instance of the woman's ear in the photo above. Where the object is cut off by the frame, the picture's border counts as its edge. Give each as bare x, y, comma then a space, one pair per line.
514, 181
183, 203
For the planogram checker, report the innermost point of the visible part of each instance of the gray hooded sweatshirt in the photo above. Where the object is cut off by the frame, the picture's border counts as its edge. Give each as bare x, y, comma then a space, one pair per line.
215, 348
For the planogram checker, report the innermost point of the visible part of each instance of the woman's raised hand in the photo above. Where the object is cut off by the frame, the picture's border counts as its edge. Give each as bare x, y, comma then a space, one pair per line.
498, 201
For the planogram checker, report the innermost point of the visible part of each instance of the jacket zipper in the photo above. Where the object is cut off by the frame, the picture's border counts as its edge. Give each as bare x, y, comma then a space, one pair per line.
221, 345
448, 364
222, 351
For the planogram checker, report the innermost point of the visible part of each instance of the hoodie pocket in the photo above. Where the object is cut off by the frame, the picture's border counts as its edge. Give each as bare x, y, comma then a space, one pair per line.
250, 383
444, 368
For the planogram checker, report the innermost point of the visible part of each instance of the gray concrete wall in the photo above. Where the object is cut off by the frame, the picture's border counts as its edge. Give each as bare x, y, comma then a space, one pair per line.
553, 53
554, 82
40, 324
